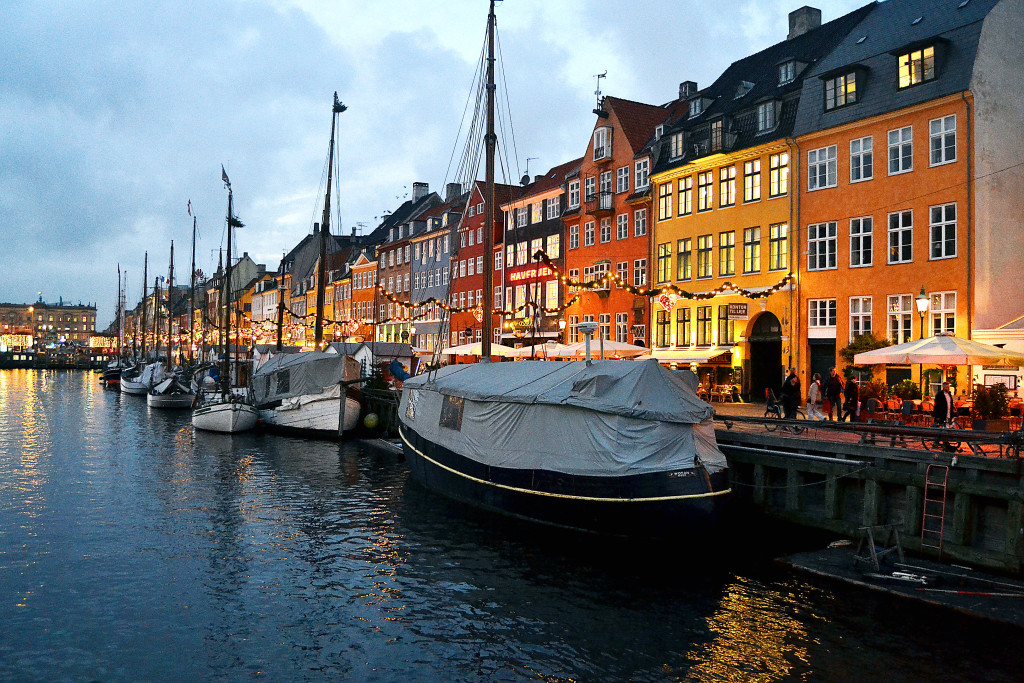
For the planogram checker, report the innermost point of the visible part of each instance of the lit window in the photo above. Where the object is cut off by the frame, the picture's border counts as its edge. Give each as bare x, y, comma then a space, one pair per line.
840, 91
752, 250
916, 67
685, 195
726, 253
727, 186
778, 174
942, 311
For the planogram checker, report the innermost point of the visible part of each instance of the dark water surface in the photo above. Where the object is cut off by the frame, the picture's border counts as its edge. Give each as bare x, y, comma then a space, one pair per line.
132, 548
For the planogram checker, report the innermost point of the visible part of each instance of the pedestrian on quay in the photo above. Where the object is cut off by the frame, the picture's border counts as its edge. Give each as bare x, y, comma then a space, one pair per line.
814, 399
851, 404
943, 410
789, 394
834, 393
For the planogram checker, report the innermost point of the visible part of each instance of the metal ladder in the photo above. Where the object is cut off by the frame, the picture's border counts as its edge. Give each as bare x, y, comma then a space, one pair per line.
933, 516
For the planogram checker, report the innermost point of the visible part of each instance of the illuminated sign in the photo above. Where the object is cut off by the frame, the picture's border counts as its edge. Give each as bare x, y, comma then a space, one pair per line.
16, 340
738, 312
529, 274
667, 300
102, 342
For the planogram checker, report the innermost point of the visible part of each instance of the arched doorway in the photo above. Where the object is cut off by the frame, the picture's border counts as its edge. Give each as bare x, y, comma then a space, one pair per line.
765, 355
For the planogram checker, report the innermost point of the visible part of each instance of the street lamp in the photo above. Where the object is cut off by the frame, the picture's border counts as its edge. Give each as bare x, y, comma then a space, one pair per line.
922, 307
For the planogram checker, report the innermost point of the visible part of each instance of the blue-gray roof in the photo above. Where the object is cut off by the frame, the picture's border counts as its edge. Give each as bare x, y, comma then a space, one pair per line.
872, 46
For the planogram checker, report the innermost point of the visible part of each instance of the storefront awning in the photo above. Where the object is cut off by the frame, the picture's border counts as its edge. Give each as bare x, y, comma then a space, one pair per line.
692, 355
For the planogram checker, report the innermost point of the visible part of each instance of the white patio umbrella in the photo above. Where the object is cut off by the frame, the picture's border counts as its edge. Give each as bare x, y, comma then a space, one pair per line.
475, 349
545, 350
940, 350
611, 348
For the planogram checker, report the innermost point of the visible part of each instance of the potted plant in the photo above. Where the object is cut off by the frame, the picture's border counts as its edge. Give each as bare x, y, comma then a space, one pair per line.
906, 389
872, 390
991, 405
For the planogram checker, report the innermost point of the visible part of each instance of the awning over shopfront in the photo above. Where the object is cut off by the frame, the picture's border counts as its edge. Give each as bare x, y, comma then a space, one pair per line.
713, 354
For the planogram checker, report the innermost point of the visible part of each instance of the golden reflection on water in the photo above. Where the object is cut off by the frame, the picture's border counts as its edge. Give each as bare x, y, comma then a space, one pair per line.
756, 638
24, 421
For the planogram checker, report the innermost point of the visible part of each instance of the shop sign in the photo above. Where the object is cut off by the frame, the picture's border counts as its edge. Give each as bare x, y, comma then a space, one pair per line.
529, 274
667, 300
738, 312
352, 327
478, 313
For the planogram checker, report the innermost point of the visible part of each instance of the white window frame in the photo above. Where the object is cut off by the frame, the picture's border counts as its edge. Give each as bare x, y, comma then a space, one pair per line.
606, 230
552, 203
622, 226
899, 317
640, 222
573, 191
862, 241
822, 246
821, 315
574, 236
553, 246
860, 316
766, 119
641, 174
942, 312
900, 150
622, 327
622, 179
640, 272
862, 159
941, 131
900, 236
822, 168
942, 218
588, 234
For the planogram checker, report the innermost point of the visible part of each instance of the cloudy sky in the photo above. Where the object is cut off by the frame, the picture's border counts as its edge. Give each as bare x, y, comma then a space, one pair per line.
114, 114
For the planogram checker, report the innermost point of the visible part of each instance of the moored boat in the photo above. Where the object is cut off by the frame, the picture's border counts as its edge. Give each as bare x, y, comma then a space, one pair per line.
301, 393
140, 382
172, 393
618, 447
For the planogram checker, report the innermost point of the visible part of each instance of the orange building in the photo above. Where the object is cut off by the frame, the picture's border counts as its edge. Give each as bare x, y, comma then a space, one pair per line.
364, 296
607, 220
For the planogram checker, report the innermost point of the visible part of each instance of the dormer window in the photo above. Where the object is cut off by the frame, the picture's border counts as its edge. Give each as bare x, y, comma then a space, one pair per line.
916, 66
840, 90
602, 143
659, 131
787, 72
765, 116
675, 148
696, 107
743, 88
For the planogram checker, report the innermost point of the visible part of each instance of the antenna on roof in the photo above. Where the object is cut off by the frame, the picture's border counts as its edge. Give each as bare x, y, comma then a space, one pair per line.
599, 109
525, 180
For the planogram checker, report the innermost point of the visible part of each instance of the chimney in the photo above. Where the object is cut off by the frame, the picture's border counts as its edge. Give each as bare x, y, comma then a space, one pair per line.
419, 191
803, 20
316, 228
537, 178
353, 232
688, 88
452, 191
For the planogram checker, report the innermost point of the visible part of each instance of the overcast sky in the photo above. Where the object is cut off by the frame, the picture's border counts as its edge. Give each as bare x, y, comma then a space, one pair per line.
114, 114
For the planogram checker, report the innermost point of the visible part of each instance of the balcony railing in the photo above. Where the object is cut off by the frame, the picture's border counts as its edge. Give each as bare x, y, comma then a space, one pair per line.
600, 203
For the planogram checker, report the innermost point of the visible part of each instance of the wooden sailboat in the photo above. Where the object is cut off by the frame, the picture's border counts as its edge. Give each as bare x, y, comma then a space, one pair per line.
145, 375
172, 392
223, 411
618, 447
309, 393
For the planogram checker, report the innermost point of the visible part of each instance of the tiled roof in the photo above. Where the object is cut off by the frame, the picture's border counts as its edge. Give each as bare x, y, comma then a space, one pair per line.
638, 120
552, 179
889, 27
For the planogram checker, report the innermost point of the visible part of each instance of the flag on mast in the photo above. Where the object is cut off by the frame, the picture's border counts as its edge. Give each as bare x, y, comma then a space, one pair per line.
190, 207
224, 176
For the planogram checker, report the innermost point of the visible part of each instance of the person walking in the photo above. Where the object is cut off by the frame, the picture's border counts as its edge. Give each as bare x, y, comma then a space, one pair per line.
851, 404
789, 395
814, 399
834, 393
943, 411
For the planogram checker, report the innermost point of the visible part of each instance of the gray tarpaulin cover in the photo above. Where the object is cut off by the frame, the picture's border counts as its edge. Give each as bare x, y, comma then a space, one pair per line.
296, 374
610, 418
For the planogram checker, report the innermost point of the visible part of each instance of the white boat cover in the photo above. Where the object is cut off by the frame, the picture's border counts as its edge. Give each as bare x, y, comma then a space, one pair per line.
287, 375
611, 418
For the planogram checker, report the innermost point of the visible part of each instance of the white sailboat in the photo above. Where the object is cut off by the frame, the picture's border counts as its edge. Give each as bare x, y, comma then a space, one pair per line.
223, 411
172, 393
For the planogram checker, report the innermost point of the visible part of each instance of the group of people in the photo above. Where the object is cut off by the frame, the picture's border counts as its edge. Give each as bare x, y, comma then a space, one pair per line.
835, 395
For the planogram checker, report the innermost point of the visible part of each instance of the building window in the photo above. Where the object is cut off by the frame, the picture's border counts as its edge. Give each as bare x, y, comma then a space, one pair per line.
716, 135
726, 327
727, 186
536, 212
821, 313
778, 246
696, 107
554, 243
901, 150
574, 236
589, 189
752, 180
861, 241
675, 146
822, 239
622, 179
942, 230
641, 173
787, 72
640, 272
664, 262
942, 311
916, 67
684, 247
778, 174
821, 168
606, 190
522, 255
684, 331
703, 326
900, 307
640, 222
573, 200
622, 327
574, 329
704, 257
726, 253
686, 195
705, 191
942, 140
860, 316
752, 250
552, 208
861, 158
765, 116
602, 143
664, 201
520, 222
535, 246
622, 270
606, 230
622, 226
840, 91
662, 325
901, 237
588, 234
551, 299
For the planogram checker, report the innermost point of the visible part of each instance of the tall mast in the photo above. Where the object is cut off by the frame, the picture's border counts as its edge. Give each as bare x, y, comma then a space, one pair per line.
485, 350
280, 303
192, 299
156, 318
120, 318
226, 364
325, 230
142, 326
170, 310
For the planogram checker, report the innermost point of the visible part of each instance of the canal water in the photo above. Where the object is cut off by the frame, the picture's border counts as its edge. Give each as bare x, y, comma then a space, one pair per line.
134, 549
